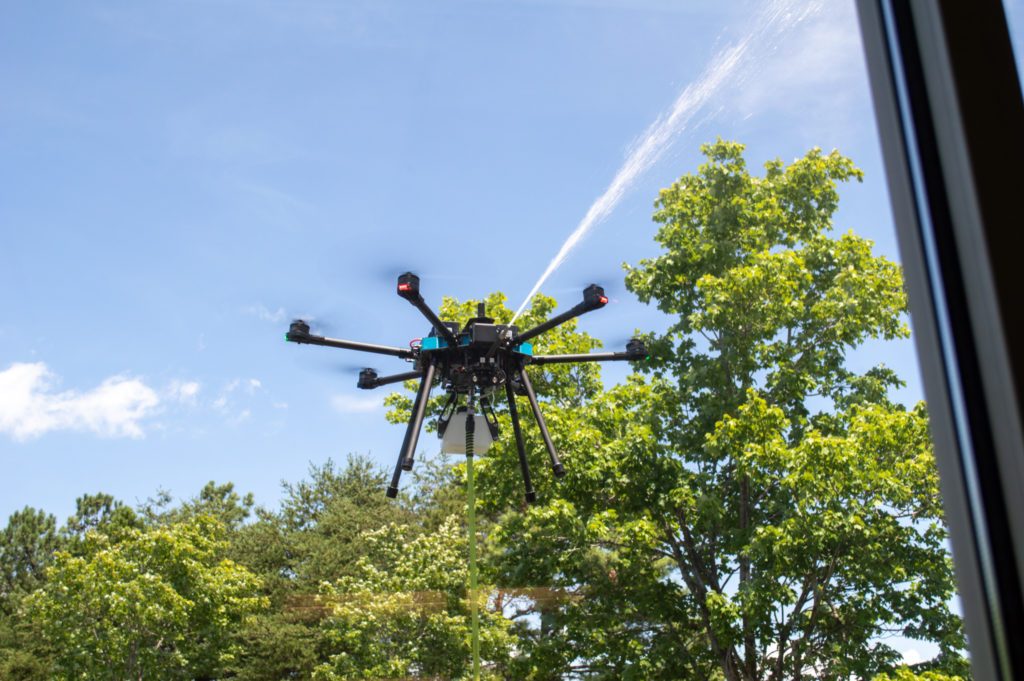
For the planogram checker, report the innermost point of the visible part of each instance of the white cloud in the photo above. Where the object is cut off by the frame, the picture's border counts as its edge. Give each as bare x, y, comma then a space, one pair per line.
183, 391
235, 400
240, 417
222, 400
349, 404
30, 406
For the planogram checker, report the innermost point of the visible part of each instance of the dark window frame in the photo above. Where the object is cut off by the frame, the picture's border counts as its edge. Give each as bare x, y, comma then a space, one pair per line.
951, 120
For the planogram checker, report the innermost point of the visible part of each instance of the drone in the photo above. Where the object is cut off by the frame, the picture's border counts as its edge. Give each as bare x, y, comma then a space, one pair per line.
475, 362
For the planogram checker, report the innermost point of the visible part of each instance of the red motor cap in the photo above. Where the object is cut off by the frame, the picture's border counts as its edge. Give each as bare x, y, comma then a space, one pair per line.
408, 286
594, 297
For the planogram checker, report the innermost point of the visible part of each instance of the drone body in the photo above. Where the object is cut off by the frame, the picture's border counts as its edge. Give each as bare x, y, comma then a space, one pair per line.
473, 362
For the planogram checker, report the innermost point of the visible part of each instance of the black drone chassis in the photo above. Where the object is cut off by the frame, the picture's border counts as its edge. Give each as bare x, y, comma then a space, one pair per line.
475, 361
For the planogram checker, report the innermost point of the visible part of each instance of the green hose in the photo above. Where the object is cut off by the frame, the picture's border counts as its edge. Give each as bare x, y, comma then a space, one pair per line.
471, 513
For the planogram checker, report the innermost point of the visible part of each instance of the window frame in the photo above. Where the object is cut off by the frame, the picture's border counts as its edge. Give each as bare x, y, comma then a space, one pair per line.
951, 121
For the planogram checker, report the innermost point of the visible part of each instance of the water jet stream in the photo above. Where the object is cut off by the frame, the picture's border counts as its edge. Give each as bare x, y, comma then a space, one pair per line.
733, 64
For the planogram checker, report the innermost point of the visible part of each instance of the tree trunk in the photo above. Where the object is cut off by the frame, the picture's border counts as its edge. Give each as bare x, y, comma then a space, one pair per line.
749, 644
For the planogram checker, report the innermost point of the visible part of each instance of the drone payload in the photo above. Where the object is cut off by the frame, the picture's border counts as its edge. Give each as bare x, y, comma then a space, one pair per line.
475, 361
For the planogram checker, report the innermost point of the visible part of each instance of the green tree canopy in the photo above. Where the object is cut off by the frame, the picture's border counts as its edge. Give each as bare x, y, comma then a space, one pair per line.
101, 513
27, 545
405, 613
749, 505
221, 502
157, 603
755, 508
317, 536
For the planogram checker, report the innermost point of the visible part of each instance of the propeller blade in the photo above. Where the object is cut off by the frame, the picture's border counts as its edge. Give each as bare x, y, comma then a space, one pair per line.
565, 289
354, 369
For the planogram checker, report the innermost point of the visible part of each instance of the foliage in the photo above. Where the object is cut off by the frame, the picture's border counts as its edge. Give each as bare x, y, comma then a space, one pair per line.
746, 506
27, 545
324, 518
903, 673
317, 536
405, 612
158, 603
755, 508
280, 644
221, 502
829, 521
98, 513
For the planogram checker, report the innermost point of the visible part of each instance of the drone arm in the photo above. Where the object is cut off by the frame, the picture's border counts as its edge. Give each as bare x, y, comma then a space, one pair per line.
298, 337
552, 323
593, 299
635, 349
434, 320
412, 432
409, 288
592, 357
556, 464
513, 412
394, 378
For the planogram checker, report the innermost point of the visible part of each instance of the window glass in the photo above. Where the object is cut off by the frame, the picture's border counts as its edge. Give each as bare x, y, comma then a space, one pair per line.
749, 488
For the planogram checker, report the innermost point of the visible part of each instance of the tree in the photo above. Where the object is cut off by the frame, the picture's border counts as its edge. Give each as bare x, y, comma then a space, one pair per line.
325, 517
754, 508
907, 674
27, 545
317, 536
158, 603
99, 513
832, 516
405, 613
221, 502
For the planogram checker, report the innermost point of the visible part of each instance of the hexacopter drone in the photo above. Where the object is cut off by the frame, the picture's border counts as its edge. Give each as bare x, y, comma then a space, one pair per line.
475, 361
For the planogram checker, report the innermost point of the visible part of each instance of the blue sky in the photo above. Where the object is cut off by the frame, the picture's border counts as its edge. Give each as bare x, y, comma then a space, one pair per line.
177, 180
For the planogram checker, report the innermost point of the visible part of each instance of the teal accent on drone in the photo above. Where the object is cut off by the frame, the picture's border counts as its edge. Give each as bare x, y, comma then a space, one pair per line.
437, 343
431, 343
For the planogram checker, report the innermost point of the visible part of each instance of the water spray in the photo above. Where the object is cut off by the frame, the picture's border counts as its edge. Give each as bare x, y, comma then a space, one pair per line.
732, 64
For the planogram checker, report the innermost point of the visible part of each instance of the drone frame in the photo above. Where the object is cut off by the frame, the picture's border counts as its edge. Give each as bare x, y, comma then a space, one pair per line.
476, 361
